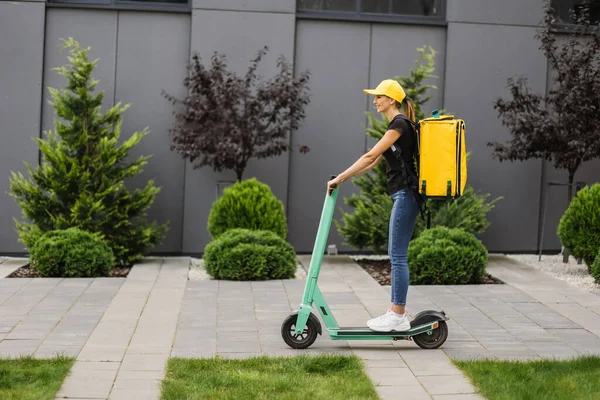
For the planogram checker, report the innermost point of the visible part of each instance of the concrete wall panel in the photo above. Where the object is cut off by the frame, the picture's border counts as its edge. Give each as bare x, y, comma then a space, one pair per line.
21, 60
98, 30
394, 51
277, 6
153, 52
480, 59
507, 12
256, 30
337, 54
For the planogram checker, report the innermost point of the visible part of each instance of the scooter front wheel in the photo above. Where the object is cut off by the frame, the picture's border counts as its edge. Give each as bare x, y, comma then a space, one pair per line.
433, 339
302, 340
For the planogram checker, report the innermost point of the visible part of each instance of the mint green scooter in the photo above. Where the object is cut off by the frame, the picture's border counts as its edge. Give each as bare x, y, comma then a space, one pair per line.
299, 330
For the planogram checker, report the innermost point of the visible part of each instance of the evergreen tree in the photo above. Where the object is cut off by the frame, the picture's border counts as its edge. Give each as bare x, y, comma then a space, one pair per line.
80, 180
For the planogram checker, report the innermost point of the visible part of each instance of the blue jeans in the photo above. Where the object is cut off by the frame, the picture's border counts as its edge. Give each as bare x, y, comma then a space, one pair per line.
402, 223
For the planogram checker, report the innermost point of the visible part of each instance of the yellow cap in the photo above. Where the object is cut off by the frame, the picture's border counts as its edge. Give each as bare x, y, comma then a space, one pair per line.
390, 88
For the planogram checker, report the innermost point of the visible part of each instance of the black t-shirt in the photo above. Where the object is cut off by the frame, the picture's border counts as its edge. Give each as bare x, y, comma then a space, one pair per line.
406, 145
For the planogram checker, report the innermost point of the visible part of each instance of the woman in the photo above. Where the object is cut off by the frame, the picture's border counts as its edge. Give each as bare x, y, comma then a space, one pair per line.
389, 98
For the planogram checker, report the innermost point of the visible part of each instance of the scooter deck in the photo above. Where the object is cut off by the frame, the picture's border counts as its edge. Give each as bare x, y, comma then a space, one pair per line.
366, 333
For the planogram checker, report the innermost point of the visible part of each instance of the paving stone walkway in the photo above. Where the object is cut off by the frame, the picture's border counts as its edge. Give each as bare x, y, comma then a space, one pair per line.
122, 330
517, 322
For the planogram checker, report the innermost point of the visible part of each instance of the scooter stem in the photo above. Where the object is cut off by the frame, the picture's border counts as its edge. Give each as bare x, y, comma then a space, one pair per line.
316, 259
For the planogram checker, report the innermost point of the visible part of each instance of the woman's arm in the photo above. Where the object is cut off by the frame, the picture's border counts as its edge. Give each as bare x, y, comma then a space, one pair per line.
366, 160
370, 167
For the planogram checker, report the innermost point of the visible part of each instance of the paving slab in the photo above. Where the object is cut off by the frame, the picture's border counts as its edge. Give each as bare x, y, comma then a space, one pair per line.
10, 265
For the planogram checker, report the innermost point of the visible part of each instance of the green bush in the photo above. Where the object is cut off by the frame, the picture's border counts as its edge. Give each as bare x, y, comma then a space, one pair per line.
245, 254
468, 212
579, 227
71, 253
445, 256
595, 270
248, 204
367, 226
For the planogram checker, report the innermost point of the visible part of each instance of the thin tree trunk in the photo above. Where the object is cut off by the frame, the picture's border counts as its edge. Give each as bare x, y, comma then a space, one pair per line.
570, 197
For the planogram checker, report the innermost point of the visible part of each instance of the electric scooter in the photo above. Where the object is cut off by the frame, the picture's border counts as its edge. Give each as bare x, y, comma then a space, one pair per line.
299, 330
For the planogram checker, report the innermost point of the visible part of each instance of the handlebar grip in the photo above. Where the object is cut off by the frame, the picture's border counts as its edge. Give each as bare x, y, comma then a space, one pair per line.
333, 186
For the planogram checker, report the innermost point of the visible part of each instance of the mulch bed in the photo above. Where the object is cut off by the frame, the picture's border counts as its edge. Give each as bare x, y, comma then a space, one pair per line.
381, 271
26, 272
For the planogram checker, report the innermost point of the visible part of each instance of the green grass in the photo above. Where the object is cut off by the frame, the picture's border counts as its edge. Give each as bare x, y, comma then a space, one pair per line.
572, 379
27, 378
303, 377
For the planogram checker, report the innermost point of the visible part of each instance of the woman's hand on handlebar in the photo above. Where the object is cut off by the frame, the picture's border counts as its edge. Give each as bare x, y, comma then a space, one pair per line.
332, 185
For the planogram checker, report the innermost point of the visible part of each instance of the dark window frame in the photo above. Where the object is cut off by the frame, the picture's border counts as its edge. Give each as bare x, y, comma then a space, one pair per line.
122, 5
359, 16
565, 26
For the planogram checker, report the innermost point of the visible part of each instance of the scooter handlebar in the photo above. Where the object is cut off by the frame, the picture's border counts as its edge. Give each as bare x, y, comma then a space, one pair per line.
332, 186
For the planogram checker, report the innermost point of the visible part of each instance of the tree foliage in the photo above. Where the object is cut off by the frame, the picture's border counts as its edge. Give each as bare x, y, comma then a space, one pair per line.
80, 181
562, 127
248, 204
414, 85
579, 227
226, 120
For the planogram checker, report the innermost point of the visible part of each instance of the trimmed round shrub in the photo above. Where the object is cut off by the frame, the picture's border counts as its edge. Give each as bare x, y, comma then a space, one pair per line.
595, 270
72, 253
579, 227
244, 254
446, 256
249, 204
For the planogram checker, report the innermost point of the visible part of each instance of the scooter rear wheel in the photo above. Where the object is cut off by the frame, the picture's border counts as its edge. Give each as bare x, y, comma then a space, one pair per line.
434, 339
302, 340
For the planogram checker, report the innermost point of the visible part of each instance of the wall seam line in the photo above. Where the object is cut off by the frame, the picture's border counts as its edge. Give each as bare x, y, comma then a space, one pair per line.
368, 83
41, 119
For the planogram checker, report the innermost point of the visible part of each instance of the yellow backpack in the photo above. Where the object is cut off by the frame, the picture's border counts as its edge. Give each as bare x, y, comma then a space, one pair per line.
441, 157
441, 160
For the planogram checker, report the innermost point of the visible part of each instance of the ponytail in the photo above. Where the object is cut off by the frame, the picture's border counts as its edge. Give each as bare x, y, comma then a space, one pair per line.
409, 108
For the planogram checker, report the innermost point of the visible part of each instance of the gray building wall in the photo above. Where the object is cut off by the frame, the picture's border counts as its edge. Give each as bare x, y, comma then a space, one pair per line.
488, 42
483, 44
485, 48
21, 69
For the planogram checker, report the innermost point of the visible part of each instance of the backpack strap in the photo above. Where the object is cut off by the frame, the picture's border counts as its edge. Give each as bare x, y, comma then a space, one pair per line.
411, 180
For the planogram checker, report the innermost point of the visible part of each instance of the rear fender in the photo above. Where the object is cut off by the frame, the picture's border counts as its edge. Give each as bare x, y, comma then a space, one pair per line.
428, 316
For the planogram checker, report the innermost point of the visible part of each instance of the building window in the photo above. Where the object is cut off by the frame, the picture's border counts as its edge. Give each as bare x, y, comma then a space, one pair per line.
562, 9
125, 4
155, 1
373, 9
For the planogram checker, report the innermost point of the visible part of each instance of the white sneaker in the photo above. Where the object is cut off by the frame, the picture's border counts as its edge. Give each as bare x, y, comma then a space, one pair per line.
372, 320
389, 322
